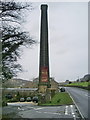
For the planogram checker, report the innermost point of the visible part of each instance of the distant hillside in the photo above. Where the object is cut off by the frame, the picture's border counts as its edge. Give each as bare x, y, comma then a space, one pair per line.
14, 83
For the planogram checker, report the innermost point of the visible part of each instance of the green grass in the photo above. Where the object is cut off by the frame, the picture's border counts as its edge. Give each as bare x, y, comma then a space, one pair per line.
61, 98
83, 84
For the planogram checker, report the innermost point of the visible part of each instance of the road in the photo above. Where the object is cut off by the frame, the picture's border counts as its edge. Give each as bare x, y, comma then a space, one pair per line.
28, 110
80, 96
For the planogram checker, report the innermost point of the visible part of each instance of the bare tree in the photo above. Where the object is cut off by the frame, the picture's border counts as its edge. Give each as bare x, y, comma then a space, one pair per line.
13, 36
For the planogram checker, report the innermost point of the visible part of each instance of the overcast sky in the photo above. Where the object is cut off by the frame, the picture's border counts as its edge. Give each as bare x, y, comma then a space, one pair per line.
68, 41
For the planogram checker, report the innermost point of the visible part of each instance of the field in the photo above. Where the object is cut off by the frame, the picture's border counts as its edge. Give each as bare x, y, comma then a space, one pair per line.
83, 84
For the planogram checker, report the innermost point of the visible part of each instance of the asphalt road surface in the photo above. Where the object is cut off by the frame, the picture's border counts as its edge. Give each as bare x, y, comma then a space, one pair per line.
80, 96
48, 112
24, 110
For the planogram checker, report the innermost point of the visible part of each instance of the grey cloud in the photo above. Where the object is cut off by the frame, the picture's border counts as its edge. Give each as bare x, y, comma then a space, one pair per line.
68, 38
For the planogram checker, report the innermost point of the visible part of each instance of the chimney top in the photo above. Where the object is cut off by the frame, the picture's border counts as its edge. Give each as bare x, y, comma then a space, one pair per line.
44, 6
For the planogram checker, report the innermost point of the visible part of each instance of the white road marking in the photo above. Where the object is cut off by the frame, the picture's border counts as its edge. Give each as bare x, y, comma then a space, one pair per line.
52, 113
71, 105
49, 113
74, 117
45, 112
38, 111
72, 109
66, 110
76, 106
20, 108
38, 108
30, 107
87, 95
73, 112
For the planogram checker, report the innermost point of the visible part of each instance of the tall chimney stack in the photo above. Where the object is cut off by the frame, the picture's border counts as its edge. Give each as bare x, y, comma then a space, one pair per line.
44, 81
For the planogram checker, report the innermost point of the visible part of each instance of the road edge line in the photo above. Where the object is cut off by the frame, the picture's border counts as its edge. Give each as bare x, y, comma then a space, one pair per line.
76, 106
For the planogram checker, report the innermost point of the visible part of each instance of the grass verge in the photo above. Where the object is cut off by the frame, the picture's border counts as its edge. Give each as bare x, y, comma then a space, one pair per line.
61, 98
